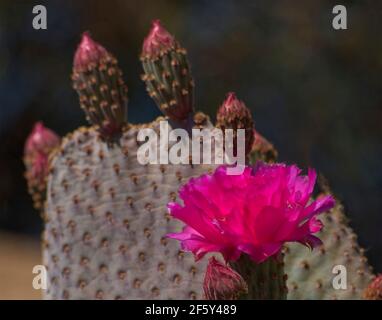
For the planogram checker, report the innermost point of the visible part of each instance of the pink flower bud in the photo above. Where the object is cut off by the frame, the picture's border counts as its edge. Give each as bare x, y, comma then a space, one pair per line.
41, 140
88, 52
374, 290
167, 75
38, 146
39, 168
158, 41
100, 87
263, 149
233, 114
222, 283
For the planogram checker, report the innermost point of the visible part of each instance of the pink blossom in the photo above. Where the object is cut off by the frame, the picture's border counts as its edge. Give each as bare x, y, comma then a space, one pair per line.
253, 213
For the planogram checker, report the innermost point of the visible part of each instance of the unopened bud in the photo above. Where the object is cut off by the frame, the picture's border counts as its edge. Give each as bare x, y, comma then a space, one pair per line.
99, 84
233, 114
374, 290
222, 283
167, 74
262, 149
38, 146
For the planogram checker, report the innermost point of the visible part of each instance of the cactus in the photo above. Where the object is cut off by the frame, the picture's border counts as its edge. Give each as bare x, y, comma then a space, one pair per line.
105, 214
106, 217
310, 274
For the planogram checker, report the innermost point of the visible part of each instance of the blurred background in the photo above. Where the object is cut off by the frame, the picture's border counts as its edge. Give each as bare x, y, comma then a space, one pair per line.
314, 92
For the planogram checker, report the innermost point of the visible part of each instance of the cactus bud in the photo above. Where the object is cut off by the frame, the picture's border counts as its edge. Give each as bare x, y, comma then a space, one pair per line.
38, 146
41, 140
374, 290
158, 42
262, 149
233, 114
222, 283
167, 74
99, 84
89, 53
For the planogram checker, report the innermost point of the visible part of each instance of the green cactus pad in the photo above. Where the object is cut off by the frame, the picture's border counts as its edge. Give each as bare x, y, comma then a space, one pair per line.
106, 222
310, 273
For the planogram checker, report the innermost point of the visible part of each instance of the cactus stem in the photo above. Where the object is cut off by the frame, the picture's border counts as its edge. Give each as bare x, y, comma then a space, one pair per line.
266, 280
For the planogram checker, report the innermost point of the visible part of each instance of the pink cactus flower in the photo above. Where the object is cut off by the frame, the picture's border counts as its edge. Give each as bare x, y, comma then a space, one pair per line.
41, 139
222, 283
158, 40
254, 213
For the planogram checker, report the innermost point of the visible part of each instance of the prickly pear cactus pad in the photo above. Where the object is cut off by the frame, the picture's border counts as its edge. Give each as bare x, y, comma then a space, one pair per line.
310, 274
106, 222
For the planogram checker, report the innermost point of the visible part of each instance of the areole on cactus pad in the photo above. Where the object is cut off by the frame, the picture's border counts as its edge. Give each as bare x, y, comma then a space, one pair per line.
106, 218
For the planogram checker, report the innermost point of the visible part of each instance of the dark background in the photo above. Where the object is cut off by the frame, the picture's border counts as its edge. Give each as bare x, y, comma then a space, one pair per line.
313, 91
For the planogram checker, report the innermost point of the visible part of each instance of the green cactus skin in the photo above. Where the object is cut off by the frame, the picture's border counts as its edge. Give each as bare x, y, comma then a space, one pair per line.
167, 77
310, 272
106, 221
265, 280
36, 189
